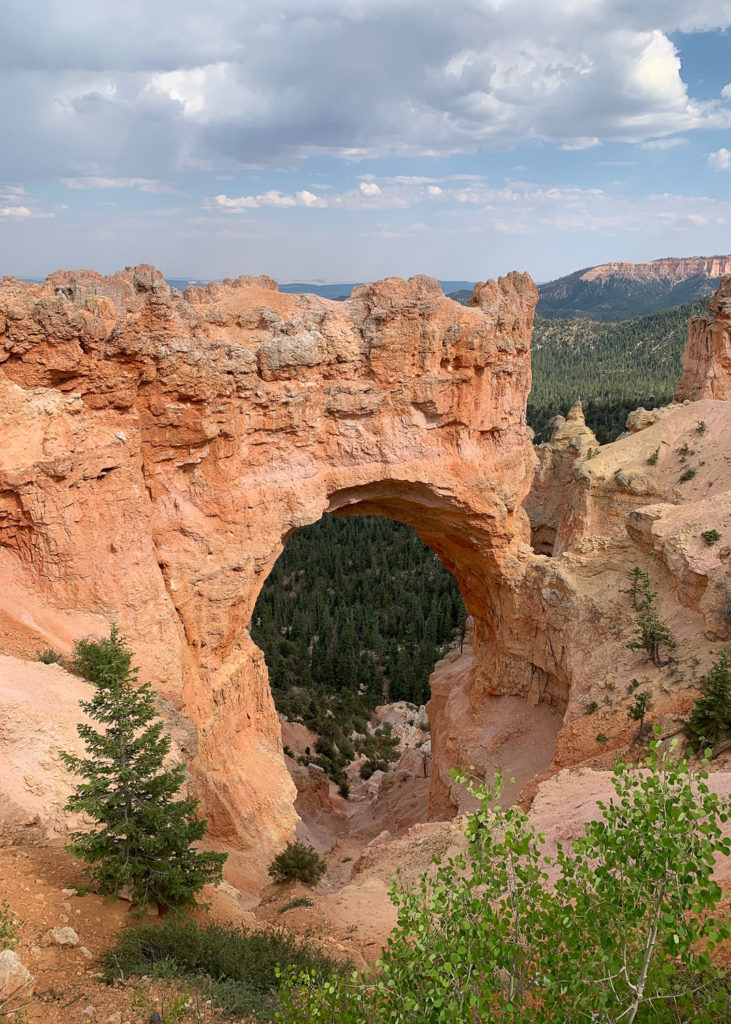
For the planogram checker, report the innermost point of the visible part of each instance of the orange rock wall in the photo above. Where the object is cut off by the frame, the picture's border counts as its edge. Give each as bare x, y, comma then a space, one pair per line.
707, 356
159, 448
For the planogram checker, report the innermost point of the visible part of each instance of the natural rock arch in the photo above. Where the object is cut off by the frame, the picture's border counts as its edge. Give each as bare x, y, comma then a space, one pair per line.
161, 447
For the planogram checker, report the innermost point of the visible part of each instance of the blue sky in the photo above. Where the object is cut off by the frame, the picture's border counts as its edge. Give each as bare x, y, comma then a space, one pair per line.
344, 140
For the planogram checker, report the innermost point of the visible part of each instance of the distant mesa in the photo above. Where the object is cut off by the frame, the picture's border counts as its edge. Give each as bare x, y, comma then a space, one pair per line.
620, 291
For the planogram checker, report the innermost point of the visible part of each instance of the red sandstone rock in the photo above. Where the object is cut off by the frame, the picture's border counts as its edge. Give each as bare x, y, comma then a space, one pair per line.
159, 448
707, 356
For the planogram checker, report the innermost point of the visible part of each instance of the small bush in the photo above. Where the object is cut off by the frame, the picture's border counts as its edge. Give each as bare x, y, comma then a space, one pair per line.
591, 707
236, 969
702, 427
602, 738
50, 657
297, 862
9, 926
711, 537
652, 459
687, 475
301, 901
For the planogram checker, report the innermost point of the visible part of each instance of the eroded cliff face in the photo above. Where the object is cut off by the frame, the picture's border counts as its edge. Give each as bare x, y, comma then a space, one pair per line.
158, 449
707, 356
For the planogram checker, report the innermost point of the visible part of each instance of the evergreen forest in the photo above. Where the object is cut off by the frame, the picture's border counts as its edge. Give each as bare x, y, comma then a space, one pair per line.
613, 367
355, 605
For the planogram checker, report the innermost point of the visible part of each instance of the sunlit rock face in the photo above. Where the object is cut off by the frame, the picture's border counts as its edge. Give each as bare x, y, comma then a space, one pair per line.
158, 449
707, 356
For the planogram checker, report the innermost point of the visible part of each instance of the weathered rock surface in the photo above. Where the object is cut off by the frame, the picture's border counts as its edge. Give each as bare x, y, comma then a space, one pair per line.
159, 448
707, 356
61, 936
15, 978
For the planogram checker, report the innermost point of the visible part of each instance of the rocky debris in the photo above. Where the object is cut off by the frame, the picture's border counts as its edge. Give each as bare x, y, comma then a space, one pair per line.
409, 722
61, 936
707, 356
15, 978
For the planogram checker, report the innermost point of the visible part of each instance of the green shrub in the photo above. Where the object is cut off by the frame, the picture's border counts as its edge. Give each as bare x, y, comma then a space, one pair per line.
623, 934
50, 657
9, 926
301, 901
591, 707
711, 537
297, 862
652, 459
702, 427
235, 968
687, 475
602, 738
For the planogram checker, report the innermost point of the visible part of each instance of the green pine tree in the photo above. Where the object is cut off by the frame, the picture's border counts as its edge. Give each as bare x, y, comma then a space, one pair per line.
143, 833
710, 719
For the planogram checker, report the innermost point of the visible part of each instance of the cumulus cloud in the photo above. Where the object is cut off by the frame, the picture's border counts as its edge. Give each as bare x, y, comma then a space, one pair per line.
720, 160
180, 86
369, 188
239, 204
21, 212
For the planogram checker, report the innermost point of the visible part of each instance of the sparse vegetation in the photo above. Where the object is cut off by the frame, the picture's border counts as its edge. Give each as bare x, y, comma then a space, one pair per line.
50, 657
702, 427
652, 459
687, 475
238, 970
297, 862
711, 537
591, 707
602, 738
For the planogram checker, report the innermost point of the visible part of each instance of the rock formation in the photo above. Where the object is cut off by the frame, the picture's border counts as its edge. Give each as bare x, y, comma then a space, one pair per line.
707, 356
159, 448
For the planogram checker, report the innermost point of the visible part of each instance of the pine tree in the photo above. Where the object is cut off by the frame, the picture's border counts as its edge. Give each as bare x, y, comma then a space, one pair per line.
651, 635
710, 719
141, 842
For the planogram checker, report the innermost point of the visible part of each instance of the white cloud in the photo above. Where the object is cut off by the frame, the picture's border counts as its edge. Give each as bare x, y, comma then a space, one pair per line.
720, 160
100, 182
310, 199
581, 143
19, 212
369, 188
662, 144
239, 204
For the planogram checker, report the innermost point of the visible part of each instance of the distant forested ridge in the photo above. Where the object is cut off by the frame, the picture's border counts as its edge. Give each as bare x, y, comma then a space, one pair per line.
612, 367
621, 291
